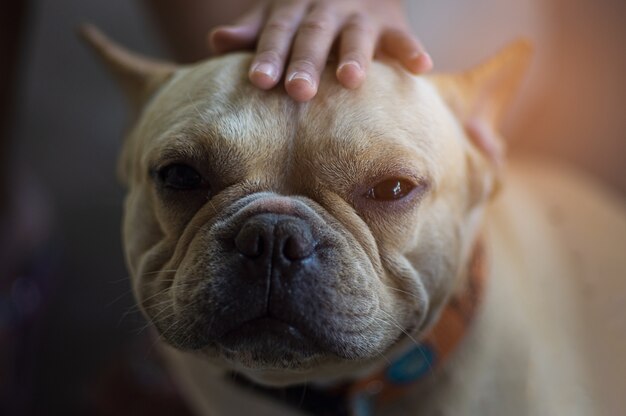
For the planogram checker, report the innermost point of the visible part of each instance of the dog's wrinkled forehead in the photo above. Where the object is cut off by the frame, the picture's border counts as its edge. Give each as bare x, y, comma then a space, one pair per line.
211, 111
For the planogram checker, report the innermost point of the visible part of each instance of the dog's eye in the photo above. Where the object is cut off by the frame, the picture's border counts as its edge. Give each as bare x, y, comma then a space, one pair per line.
180, 177
390, 190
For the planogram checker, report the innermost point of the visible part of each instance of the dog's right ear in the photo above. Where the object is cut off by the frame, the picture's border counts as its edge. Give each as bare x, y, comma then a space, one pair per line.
139, 77
479, 98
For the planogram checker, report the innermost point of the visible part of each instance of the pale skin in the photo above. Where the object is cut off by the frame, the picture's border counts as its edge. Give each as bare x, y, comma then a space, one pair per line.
293, 39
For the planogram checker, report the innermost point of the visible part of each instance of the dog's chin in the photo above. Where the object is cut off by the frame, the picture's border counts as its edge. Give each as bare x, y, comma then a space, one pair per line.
267, 343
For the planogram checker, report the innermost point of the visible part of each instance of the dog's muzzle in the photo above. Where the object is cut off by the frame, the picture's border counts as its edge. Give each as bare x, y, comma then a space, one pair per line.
283, 282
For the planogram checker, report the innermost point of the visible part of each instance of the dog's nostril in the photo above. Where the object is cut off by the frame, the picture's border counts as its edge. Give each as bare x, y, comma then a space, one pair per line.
250, 241
299, 246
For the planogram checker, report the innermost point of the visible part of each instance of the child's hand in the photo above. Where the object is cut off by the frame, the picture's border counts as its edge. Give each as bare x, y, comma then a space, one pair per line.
303, 32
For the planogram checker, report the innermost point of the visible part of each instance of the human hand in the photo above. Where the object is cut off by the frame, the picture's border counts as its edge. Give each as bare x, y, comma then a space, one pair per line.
304, 31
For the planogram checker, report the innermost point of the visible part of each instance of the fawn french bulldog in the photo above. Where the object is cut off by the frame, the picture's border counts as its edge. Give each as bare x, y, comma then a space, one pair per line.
364, 245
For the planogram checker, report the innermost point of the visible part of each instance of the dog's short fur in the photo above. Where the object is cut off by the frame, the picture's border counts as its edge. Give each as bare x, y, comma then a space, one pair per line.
288, 261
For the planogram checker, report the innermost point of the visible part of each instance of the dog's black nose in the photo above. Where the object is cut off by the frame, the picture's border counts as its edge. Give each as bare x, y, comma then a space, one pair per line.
275, 236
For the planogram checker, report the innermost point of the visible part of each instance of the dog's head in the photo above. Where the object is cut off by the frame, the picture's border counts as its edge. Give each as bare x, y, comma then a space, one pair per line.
290, 239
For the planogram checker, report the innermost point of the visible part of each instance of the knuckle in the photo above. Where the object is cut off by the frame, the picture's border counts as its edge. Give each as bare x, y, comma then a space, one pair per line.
315, 25
279, 26
359, 23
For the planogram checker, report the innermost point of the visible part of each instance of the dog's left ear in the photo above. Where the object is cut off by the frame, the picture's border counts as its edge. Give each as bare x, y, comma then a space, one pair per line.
138, 76
480, 97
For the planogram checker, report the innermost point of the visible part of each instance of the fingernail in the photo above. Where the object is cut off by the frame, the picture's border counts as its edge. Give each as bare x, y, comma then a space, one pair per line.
350, 74
303, 76
427, 62
423, 62
346, 65
266, 69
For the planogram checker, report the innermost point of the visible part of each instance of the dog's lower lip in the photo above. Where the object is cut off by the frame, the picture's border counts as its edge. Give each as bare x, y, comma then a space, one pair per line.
263, 326
265, 329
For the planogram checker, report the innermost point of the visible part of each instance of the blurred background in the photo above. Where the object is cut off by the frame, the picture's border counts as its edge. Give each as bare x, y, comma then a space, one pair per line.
66, 315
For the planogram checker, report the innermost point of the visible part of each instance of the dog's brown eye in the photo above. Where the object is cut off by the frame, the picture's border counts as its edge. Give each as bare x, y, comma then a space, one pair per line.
180, 177
390, 190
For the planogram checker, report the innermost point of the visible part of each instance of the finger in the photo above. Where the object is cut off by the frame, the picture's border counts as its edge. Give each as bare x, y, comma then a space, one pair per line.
310, 52
358, 40
230, 38
275, 42
404, 47
240, 35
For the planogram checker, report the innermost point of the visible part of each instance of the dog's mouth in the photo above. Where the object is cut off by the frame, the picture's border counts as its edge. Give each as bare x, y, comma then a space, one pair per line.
268, 341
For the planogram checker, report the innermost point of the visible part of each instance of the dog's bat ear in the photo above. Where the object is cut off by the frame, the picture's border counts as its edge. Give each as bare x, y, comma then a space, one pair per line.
480, 97
138, 76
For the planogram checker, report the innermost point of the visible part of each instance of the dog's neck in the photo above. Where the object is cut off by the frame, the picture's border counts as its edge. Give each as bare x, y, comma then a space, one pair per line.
418, 361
